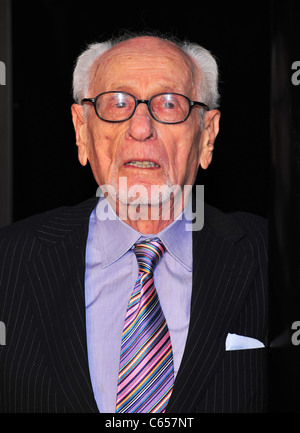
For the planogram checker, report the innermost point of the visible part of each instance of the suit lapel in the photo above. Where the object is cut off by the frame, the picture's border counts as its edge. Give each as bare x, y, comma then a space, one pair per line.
223, 270
56, 279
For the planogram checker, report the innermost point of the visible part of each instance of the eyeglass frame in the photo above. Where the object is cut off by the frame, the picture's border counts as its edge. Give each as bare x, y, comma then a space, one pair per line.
192, 104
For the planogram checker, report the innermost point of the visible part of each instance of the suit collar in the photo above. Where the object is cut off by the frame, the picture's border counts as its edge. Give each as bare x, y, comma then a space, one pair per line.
222, 224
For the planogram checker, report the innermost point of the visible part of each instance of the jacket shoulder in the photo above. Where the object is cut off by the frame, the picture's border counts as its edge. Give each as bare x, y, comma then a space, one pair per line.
255, 228
235, 226
55, 221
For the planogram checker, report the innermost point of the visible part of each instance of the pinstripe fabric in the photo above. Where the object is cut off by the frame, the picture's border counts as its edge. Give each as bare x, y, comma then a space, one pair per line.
230, 275
146, 373
44, 365
234, 382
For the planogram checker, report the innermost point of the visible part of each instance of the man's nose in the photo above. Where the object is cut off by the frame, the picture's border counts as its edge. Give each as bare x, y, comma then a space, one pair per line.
141, 127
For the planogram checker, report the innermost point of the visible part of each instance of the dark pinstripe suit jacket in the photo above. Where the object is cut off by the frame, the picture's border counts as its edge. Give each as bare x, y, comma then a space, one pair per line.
44, 364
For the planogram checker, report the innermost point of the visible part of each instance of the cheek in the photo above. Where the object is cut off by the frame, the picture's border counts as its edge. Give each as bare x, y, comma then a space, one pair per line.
99, 156
105, 155
99, 142
186, 157
105, 138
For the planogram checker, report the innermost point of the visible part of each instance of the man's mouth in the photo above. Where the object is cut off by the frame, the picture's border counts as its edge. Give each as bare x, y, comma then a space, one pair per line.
142, 164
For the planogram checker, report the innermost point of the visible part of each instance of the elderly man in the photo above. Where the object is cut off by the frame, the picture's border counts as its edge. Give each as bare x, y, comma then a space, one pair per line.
114, 305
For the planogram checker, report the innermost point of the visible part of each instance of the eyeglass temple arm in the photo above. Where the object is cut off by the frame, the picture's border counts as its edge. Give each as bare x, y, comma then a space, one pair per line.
92, 100
193, 103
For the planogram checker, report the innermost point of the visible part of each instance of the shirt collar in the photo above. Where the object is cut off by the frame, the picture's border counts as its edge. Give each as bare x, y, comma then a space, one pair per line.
116, 237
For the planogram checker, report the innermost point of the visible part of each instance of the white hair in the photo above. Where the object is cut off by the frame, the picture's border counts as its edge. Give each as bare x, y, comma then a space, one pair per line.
203, 58
207, 64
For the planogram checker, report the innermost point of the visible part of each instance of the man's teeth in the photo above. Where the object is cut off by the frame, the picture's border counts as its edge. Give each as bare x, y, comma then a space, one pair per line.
142, 164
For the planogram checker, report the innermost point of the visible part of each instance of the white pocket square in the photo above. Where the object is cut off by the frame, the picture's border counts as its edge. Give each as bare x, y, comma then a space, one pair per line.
240, 342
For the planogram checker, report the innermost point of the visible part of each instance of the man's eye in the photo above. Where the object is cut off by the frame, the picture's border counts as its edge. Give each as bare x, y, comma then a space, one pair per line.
121, 104
169, 105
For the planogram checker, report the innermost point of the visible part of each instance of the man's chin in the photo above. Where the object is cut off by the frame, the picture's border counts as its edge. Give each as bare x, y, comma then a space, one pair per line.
154, 195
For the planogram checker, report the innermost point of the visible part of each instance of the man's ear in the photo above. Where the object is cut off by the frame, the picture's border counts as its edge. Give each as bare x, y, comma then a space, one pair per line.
208, 136
80, 126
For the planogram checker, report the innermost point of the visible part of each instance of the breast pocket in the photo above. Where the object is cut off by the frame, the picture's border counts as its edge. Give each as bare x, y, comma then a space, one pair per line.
239, 385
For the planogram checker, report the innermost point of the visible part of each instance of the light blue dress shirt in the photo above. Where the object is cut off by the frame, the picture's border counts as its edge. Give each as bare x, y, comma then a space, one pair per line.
111, 273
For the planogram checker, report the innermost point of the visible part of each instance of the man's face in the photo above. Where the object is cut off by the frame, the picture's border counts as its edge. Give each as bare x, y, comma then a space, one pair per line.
143, 67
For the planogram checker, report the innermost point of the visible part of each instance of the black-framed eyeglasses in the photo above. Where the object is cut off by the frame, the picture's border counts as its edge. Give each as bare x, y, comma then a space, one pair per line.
169, 108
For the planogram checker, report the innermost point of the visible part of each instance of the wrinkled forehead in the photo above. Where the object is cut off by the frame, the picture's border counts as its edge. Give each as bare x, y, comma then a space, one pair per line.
141, 58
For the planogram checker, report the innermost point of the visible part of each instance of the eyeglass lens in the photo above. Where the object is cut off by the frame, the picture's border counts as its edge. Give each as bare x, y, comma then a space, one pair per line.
118, 106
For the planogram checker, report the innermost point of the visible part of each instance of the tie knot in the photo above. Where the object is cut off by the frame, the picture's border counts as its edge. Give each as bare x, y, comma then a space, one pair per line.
148, 254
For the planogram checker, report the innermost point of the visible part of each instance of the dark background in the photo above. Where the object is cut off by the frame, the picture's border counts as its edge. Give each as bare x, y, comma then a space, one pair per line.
48, 35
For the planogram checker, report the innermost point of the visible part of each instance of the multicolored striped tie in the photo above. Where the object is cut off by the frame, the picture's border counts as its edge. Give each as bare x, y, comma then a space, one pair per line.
146, 373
